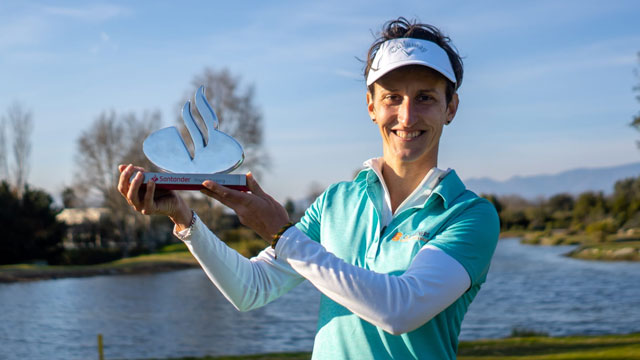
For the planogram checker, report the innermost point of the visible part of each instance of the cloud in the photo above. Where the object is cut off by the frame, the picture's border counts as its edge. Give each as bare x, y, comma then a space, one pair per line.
103, 44
92, 13
599, 55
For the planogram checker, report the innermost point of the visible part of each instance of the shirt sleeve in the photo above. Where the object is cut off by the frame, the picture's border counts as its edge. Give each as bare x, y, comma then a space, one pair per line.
471, 239
397, 304
246, 283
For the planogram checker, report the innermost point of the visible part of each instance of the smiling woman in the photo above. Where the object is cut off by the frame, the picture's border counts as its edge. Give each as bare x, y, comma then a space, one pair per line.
410, 108
398, 253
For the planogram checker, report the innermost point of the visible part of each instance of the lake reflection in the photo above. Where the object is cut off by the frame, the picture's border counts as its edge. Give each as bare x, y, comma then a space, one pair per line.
181, 314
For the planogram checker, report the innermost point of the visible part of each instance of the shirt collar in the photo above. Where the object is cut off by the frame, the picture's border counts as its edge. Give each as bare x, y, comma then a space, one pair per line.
419, 195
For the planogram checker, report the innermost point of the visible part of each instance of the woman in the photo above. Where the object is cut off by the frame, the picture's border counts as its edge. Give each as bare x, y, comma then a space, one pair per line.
398, 253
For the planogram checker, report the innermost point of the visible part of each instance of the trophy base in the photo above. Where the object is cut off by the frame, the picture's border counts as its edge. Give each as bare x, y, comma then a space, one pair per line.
185, 181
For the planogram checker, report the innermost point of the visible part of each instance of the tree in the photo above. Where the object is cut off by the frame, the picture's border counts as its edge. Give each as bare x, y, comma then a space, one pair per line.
109, 141
238, 115
69, 198
589, 207
20, 121
30, 228
560, 202
625, 201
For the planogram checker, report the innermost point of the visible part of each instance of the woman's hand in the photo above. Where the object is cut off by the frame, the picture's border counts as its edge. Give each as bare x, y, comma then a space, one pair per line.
148, 201
257, 209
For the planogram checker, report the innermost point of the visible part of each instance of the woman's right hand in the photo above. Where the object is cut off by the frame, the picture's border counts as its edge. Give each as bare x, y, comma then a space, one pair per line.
149, 201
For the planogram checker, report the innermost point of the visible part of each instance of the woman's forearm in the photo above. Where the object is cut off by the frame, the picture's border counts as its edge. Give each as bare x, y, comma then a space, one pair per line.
246, 283
397, 304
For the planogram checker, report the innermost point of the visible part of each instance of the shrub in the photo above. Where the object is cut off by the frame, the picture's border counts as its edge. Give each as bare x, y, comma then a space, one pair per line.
89, 256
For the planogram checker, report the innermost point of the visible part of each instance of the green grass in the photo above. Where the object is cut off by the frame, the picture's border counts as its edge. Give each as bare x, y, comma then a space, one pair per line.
609, 347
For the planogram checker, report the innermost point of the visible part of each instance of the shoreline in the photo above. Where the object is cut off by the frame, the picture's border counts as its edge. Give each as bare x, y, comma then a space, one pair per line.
591, 247
612, 248
144, 264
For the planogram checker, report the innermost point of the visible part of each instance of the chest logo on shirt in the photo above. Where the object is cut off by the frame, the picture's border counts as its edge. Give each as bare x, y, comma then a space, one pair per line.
419, 236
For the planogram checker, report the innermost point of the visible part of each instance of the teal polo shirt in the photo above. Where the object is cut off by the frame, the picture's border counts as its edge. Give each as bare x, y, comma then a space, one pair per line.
345, 219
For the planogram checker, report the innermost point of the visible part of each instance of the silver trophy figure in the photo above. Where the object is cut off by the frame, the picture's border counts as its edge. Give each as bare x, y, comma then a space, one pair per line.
213, 158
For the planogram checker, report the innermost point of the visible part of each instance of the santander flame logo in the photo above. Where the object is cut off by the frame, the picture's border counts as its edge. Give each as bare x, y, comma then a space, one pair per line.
218, 153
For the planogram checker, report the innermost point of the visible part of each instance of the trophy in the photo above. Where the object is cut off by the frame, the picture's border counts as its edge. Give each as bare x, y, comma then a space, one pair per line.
213, 158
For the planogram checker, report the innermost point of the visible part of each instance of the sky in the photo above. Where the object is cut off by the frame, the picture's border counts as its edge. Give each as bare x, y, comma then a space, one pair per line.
547, 84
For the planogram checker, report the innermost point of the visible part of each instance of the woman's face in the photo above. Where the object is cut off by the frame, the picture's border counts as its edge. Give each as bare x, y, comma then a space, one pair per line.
410, 108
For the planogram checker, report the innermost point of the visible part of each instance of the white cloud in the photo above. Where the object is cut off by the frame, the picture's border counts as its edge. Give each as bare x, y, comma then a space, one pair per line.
95, 12
585, 57
104, 44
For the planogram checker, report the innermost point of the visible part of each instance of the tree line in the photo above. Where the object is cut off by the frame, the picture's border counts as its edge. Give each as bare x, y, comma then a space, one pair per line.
29, 216
591, 212
32, 231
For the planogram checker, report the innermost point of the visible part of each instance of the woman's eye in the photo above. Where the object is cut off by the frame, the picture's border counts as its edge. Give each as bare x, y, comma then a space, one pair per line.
392, 98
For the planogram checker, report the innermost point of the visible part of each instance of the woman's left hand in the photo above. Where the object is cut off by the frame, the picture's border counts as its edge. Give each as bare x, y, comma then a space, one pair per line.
257, 209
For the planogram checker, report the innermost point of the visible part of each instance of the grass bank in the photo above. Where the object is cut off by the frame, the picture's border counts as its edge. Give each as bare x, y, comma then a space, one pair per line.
609, 347
143, 264
170, 257
590, 246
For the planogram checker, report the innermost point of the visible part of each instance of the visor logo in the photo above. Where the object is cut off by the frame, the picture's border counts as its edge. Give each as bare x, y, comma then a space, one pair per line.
408, 48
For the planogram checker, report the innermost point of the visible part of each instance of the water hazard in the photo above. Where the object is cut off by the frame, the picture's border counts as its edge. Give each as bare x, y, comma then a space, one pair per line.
181, 314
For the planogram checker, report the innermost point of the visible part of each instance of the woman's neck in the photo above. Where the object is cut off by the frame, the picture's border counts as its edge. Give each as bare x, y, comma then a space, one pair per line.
402, 179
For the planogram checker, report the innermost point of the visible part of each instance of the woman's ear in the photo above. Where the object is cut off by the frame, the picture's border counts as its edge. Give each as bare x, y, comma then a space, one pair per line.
452, 108
370, 107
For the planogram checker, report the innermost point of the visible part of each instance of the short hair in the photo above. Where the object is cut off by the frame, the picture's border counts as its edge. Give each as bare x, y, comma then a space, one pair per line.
403, 28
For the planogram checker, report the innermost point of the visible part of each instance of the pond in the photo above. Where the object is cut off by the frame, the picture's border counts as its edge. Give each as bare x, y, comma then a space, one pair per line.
181, 314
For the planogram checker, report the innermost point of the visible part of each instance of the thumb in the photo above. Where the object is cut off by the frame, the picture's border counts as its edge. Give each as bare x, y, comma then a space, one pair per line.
253, 185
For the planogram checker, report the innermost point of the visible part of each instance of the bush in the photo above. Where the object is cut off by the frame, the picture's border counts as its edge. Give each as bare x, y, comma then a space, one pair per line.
244, 241
249, 248
605, 226
172, 248
30, 229
89, 256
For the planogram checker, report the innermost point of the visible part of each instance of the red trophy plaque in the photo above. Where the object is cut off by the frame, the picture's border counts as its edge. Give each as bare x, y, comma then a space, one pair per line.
213, 157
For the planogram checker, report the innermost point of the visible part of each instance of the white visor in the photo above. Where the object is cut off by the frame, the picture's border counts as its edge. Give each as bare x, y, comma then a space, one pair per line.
396, 53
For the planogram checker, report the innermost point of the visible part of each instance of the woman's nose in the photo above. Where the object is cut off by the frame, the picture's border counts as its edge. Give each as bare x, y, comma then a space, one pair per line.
406, 113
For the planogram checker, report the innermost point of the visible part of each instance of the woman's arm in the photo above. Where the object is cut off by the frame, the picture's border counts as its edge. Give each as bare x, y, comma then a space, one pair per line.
397, 304
246, 283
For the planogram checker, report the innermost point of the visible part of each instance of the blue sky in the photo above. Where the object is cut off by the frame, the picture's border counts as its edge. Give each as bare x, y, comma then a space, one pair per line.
547, 87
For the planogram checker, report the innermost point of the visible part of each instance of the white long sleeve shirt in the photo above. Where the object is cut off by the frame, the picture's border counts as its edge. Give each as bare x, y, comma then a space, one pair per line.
397, 304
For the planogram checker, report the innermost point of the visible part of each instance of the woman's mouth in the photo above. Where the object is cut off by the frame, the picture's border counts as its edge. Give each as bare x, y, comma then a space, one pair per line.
408, 135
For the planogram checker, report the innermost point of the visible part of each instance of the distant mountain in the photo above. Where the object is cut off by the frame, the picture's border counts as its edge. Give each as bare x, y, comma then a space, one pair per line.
572, 181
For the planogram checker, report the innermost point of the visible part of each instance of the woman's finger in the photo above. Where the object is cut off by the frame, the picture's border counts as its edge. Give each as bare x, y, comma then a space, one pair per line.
148, 198
253, 185
229, 197
133, 194
123, 182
